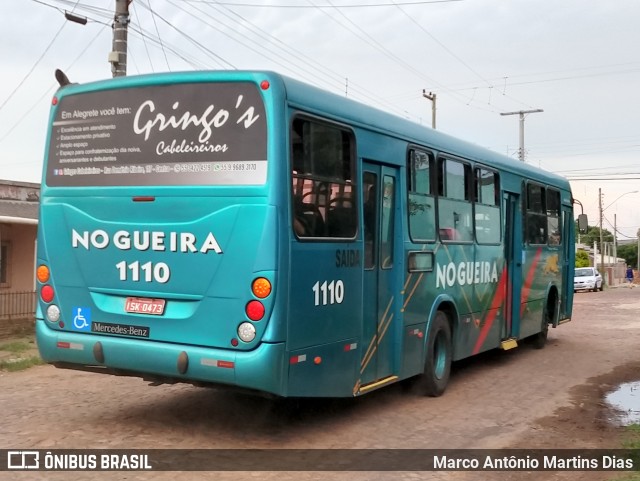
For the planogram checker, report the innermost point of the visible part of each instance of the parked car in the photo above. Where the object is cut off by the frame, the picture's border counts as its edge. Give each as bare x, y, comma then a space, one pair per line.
587, 278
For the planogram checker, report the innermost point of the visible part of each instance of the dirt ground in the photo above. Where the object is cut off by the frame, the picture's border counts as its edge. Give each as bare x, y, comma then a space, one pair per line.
523, 398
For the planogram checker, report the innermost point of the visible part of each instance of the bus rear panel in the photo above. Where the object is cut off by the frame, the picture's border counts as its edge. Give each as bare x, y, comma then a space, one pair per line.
157, 242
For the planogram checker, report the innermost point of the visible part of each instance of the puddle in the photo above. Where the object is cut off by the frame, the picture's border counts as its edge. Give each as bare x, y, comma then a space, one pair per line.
626, 401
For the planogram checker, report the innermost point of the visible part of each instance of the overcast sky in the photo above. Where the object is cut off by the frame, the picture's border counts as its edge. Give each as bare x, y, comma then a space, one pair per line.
579, 60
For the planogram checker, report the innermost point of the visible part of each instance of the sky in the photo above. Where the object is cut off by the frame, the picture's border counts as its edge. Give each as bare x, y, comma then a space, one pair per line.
577, 60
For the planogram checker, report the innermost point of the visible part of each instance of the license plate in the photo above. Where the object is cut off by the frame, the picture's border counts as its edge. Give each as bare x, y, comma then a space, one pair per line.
142, 305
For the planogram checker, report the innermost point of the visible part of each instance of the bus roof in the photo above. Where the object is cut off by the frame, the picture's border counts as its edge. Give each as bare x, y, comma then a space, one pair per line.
316, 100
342, 108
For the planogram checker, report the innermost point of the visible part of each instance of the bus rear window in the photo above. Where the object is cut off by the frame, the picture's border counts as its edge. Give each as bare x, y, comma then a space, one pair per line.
181, 134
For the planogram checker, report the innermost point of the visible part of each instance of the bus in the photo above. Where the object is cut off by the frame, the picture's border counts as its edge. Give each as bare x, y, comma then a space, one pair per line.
247, 230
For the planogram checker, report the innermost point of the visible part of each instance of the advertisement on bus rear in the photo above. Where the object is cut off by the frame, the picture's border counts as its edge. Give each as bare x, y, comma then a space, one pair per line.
181, 134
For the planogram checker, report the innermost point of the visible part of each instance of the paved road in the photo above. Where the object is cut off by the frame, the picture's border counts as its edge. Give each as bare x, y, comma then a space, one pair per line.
495, 401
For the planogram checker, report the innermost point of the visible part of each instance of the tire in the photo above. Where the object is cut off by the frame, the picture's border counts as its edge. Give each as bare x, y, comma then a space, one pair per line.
540, 339
438, 357
601, 287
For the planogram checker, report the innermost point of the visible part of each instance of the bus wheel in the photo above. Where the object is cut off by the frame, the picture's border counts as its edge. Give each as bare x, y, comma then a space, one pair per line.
437, 365
540, 339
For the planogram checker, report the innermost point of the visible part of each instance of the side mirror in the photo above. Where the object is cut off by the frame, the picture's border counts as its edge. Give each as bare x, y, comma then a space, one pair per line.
583, 223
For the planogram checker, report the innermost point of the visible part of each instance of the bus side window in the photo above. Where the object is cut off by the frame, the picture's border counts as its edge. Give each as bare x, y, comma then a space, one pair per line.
323, 192
308, 221
421, 208
341, 217
454, 204
553, 217
536, 221
487, 208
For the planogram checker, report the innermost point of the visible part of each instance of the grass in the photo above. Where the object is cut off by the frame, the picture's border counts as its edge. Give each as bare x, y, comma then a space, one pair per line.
632, 437
18, 354
631, 440
16, 347
20, 364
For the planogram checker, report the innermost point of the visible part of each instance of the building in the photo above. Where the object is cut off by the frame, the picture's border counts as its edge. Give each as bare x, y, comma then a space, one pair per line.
19, 203
613, 268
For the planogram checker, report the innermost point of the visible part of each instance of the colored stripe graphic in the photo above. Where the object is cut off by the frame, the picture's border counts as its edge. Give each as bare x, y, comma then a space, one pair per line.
526, 289
498, 299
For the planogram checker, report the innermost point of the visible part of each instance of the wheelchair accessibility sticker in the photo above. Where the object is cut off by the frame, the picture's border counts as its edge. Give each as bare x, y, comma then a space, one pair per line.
82, 319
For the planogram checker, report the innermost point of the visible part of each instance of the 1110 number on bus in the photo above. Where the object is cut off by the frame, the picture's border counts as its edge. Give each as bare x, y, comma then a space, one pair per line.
328, 293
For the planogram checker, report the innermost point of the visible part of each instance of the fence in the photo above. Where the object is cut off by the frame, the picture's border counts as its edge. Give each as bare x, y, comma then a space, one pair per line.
17, 305
17, 313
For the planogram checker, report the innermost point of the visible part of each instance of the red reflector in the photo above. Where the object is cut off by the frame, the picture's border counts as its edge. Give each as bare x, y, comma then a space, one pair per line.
264, 85
54, 101
46, 293
64, 345
143, 198
255, 310
297, 359
227, 364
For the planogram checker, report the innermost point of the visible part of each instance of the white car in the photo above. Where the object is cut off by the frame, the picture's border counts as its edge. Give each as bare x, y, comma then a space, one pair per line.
587, 278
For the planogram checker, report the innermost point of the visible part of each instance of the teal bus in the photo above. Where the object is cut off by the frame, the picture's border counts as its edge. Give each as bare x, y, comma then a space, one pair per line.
244, 229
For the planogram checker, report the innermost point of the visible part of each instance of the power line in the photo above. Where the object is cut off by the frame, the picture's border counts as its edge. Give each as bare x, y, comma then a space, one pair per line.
450, 52
144, 40
552, 79
51, 87
184, 56
296, 5
333, 79
34, 65
153, 16
96, 11
194, 41
610, 179
372, 42
598, 169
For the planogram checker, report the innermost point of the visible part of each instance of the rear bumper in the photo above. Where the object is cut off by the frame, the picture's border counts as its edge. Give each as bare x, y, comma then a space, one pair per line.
263, 369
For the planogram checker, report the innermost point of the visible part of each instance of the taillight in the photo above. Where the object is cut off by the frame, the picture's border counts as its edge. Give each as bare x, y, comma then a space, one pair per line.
43, 273
46, 293
261, 287
255, 310
53, 314
246, 332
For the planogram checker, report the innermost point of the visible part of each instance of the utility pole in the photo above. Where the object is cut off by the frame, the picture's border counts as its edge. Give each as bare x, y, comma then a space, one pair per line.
601, 237
521, 113
118, 56
432, 97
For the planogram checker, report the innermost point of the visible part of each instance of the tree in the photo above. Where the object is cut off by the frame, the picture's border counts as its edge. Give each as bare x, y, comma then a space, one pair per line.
629, 253
593, 236
582, 258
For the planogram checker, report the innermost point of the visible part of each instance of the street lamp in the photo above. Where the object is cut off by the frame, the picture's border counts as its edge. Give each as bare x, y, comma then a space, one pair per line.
75, 18
615, 233
619, 197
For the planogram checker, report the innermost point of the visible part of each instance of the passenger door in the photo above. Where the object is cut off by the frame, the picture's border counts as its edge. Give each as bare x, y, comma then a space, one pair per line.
513, 256
381, 289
